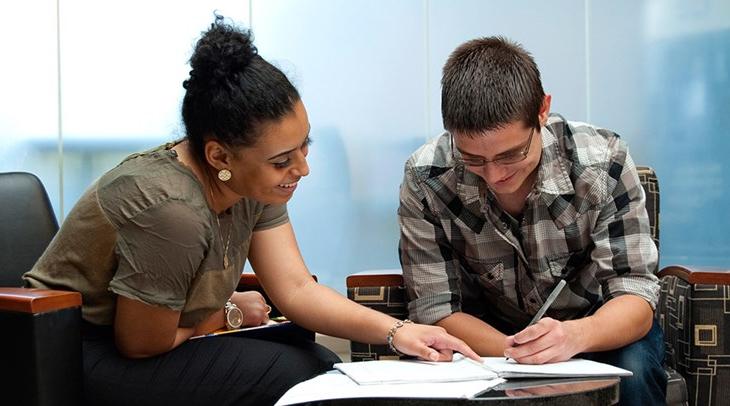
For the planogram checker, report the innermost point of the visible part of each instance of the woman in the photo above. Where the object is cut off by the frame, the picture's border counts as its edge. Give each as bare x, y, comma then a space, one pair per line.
156, 246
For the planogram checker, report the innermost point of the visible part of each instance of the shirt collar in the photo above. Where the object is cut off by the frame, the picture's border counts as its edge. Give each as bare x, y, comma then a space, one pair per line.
554, 170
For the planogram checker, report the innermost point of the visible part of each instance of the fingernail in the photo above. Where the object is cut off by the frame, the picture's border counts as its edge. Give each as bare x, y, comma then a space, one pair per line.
434, 356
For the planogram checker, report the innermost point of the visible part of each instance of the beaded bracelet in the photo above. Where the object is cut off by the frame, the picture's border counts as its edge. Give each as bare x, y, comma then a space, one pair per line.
391, 334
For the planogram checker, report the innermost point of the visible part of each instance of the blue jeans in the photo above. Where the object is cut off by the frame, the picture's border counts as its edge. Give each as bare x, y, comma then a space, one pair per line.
645, 358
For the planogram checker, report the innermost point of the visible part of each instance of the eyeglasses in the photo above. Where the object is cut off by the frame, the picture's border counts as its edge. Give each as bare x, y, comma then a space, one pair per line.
510, 159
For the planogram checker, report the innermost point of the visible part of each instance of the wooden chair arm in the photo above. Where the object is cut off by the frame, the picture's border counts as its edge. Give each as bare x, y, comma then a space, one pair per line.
383, 277
697, 274
249, 281
26, 300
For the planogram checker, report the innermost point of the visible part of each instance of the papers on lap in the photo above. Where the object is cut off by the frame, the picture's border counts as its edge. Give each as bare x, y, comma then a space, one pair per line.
272, 327
463, 369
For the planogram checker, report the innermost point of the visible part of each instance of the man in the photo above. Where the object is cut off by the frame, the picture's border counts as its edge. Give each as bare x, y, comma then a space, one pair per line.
512, 199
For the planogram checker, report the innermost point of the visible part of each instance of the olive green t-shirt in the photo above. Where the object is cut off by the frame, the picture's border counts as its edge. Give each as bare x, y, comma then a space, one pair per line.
144, 231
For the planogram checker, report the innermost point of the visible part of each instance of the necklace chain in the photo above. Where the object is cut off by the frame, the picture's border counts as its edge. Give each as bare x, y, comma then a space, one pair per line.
228, 240
220, 230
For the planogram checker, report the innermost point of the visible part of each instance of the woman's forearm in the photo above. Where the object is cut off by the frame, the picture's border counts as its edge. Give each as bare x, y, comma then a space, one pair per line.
321, 309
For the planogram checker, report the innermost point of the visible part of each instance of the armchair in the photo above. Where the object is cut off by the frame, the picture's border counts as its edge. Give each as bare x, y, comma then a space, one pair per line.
41, 341
692, 311
40, 344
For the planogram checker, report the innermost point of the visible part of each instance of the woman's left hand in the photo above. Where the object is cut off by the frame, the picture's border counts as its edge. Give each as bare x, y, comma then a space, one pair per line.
254, 307
430, 343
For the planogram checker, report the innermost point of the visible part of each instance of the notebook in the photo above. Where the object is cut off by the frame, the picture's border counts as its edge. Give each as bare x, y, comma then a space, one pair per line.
464, 369
277, 329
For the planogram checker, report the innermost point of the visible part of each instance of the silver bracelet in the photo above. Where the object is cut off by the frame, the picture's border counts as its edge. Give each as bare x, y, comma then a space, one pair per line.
391, 334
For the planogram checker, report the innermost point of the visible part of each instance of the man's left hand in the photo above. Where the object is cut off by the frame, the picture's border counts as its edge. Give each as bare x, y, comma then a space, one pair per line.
546, 341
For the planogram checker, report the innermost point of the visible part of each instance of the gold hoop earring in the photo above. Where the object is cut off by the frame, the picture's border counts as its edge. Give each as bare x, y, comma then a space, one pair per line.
224, 175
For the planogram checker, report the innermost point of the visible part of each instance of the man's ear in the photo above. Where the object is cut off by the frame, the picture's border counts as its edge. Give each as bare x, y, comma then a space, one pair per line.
545, 109
217, 155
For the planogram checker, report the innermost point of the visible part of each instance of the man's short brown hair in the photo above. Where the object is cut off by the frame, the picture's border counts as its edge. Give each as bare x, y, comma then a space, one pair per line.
488, 83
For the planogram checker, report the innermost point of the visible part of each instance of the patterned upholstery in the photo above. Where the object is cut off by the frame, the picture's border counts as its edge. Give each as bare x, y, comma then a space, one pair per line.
694, 326
649, 181
694, 311
382, 291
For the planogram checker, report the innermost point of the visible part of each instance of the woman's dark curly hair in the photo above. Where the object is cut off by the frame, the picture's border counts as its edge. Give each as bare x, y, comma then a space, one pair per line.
232, 90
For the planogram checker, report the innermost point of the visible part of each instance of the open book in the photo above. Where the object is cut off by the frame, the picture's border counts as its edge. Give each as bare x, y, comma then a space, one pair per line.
464, 369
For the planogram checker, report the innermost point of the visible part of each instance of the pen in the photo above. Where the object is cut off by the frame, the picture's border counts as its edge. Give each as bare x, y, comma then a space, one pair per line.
549, 301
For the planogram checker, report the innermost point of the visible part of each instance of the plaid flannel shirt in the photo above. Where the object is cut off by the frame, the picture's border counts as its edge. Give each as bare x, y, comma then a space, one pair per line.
584, 221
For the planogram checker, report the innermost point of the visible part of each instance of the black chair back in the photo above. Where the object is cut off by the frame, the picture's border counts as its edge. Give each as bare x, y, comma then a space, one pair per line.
27, 224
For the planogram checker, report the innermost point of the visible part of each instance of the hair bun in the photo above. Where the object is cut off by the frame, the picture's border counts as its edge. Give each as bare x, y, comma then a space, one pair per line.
221, 54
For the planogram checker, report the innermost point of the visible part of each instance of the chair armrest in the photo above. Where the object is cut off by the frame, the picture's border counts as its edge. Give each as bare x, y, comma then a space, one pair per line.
381, 290
26, 300
381, 277
41, 345
249, 281
692, 313
696, 274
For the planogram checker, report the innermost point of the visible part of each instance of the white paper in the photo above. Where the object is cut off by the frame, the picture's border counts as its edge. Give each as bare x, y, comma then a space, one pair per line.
412, 371
336, 385
465, 369
571, 368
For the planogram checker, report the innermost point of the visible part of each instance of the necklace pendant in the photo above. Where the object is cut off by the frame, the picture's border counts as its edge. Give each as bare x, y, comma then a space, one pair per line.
225, 261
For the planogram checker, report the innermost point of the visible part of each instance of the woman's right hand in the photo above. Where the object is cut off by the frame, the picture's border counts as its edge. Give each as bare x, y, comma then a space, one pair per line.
430, 343
254, 307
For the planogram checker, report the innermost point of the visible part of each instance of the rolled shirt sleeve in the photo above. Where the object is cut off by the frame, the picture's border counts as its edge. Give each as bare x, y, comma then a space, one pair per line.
272, 215
624, 252
429, 267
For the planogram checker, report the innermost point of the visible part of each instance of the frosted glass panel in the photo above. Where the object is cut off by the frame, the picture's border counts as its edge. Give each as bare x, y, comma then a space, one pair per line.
29, 95
617, 79
661, 76
657, 72
123, 64
552, 31
360, 67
